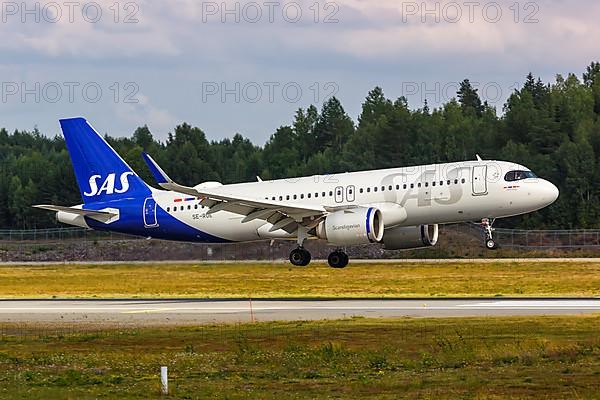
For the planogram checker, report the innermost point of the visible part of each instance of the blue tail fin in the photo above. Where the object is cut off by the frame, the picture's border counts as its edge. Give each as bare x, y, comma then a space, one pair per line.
101, 173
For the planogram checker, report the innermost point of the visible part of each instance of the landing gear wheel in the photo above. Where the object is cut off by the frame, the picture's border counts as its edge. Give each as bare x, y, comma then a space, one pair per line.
338, 259
490, 244
300, 257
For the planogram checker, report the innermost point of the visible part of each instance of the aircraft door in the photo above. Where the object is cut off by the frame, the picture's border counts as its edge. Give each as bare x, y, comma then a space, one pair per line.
479, 180
150, 213
350, 194
339, 194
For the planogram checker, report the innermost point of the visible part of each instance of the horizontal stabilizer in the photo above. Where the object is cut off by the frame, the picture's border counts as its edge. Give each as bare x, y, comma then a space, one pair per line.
99, 215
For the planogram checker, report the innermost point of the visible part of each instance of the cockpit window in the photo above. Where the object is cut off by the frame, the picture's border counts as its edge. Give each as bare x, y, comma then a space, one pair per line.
518, 175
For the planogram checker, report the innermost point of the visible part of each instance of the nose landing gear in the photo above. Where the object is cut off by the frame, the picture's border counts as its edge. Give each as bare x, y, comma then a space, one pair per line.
490, 243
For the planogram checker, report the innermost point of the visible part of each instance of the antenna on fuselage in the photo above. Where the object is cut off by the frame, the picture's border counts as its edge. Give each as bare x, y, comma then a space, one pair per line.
478, 158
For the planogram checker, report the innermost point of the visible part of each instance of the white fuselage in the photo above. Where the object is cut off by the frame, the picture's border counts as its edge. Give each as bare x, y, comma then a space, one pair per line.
428, 194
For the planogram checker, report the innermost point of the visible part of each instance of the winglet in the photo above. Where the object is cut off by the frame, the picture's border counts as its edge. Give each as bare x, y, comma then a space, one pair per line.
158, 173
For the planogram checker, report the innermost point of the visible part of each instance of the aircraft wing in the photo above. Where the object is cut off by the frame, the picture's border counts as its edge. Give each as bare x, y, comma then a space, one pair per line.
285, 216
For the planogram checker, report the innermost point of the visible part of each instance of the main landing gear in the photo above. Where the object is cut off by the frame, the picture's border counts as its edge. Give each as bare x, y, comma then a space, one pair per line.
490, 243
301, 257
338, 259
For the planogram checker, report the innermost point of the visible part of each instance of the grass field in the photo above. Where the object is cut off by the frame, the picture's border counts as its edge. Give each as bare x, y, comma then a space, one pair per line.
542, 357
281, 280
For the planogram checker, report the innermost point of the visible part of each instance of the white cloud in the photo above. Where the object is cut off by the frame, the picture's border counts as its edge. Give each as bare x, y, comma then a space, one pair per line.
171, 52
70, 34
160, 121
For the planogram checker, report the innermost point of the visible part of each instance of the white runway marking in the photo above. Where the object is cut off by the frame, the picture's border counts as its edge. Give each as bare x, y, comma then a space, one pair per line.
197, 311
537, 304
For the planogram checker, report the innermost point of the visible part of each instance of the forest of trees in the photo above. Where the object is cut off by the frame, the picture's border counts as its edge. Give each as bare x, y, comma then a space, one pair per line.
553, 128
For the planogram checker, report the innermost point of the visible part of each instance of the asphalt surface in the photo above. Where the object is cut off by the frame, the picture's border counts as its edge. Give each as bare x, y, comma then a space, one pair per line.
314, 261
149, 312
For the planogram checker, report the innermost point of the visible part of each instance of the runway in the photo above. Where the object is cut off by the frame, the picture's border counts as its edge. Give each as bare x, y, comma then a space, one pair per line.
150, 312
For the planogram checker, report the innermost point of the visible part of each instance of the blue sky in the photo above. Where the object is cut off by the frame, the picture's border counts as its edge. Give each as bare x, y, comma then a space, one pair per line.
245, 67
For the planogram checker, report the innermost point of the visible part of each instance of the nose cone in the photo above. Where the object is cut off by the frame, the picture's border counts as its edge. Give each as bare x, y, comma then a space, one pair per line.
549, 193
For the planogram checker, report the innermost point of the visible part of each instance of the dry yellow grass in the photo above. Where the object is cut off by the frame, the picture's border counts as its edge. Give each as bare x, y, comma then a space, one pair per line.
280, 280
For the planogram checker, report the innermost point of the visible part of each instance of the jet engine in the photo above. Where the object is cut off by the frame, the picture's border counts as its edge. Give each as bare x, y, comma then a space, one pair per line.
410, 237
359, 225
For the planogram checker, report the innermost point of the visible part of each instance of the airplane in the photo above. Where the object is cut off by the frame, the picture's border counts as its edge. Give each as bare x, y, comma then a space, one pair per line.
400, 208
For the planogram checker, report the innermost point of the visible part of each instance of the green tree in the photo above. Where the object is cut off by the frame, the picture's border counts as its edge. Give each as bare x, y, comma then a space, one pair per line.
469, 100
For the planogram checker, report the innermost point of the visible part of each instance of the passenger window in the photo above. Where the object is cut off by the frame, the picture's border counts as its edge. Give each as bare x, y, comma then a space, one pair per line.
361, 190
456, 181
280, 198
426, 184
463, 180
295, 197
324, 194
448, 182
404, 186
419, 184
168, 209
302, 196
196, 207
375, 189
441, 183
412, 185
287, 197
316, 194
397, 187
368, 190
309, 195
189, 207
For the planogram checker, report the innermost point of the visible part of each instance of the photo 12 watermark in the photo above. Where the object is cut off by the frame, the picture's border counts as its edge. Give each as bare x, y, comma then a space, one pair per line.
443, 92
271, 92
69, 11
270, 12
470, 11
68, 92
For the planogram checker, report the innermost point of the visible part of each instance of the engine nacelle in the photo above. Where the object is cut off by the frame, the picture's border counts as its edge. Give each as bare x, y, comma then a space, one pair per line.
410, 237
359, 225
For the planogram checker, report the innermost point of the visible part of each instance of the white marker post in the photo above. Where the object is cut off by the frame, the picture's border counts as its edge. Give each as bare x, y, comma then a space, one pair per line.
164, 380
